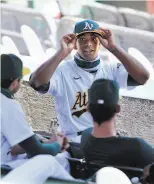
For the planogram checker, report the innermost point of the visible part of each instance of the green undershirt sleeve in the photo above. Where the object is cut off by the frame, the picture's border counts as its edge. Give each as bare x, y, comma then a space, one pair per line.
33, 147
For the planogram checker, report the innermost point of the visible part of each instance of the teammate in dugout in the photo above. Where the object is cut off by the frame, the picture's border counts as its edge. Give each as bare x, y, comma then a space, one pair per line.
101, 144
18, 141
69, 81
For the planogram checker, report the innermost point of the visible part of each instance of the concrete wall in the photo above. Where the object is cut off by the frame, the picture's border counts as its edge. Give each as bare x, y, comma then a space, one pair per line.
136, 117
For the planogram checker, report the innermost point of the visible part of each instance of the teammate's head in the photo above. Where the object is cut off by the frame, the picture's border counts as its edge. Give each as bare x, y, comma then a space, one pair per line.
87, 44
103, 100
11, 72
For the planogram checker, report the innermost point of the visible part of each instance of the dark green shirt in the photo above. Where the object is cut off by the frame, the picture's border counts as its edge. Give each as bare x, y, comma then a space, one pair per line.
119, 151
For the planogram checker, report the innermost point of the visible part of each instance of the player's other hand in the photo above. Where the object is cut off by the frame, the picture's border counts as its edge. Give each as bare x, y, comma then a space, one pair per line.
60, 140
65, 144
68, 43
107, 39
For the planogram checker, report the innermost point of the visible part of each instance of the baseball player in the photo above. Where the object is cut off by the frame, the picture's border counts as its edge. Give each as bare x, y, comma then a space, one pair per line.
69, 81
14, 127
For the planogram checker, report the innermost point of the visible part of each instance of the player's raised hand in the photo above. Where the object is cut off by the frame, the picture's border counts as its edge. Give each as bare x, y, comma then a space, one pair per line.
68, 43
107, 38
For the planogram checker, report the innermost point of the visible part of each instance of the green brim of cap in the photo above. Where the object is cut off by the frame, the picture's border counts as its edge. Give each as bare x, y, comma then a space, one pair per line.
26, 71
94, 31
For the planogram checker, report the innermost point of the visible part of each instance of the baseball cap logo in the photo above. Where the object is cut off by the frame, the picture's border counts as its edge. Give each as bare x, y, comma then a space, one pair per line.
88, 26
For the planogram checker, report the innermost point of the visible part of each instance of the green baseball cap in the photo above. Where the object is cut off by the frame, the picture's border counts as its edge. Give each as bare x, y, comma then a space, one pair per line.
87, 26
12, 67
104, 92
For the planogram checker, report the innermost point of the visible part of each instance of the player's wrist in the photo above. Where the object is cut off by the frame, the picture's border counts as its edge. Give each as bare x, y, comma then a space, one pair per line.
64, 52
113, 48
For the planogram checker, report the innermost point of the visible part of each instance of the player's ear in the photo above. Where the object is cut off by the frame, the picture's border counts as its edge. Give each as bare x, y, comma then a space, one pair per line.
14, 83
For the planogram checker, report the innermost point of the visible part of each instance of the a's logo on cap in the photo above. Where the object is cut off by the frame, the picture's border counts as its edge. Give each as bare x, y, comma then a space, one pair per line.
88, 26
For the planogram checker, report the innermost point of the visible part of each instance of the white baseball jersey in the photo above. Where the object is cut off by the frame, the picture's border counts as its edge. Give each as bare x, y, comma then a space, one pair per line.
14, 129
69, 85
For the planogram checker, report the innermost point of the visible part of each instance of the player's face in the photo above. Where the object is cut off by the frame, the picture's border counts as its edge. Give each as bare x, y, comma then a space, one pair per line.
88, 45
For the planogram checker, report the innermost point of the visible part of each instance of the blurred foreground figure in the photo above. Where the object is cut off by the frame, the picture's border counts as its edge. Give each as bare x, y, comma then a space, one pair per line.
18, 141
102, 144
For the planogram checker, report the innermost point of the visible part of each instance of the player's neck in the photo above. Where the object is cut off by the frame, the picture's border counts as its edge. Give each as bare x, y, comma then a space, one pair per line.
77, 55
7, 92
105, 130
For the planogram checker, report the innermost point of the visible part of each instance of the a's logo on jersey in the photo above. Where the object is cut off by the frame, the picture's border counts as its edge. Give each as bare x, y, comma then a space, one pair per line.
88, 26
79, 113
81, 102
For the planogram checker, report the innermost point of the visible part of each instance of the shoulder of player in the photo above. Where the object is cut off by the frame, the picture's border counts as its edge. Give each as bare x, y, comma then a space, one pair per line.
140, 141
108, 62
135, 141
105, 64
68, 64
7, 101
10, 105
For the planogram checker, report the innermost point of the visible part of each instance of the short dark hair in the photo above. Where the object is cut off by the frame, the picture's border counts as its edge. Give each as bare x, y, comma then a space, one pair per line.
101, 113
5, 83
11, 66
103, 98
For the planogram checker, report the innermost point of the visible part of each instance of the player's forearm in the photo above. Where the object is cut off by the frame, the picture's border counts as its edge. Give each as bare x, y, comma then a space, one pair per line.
33, 147
44, 73
16, 150
134, 68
